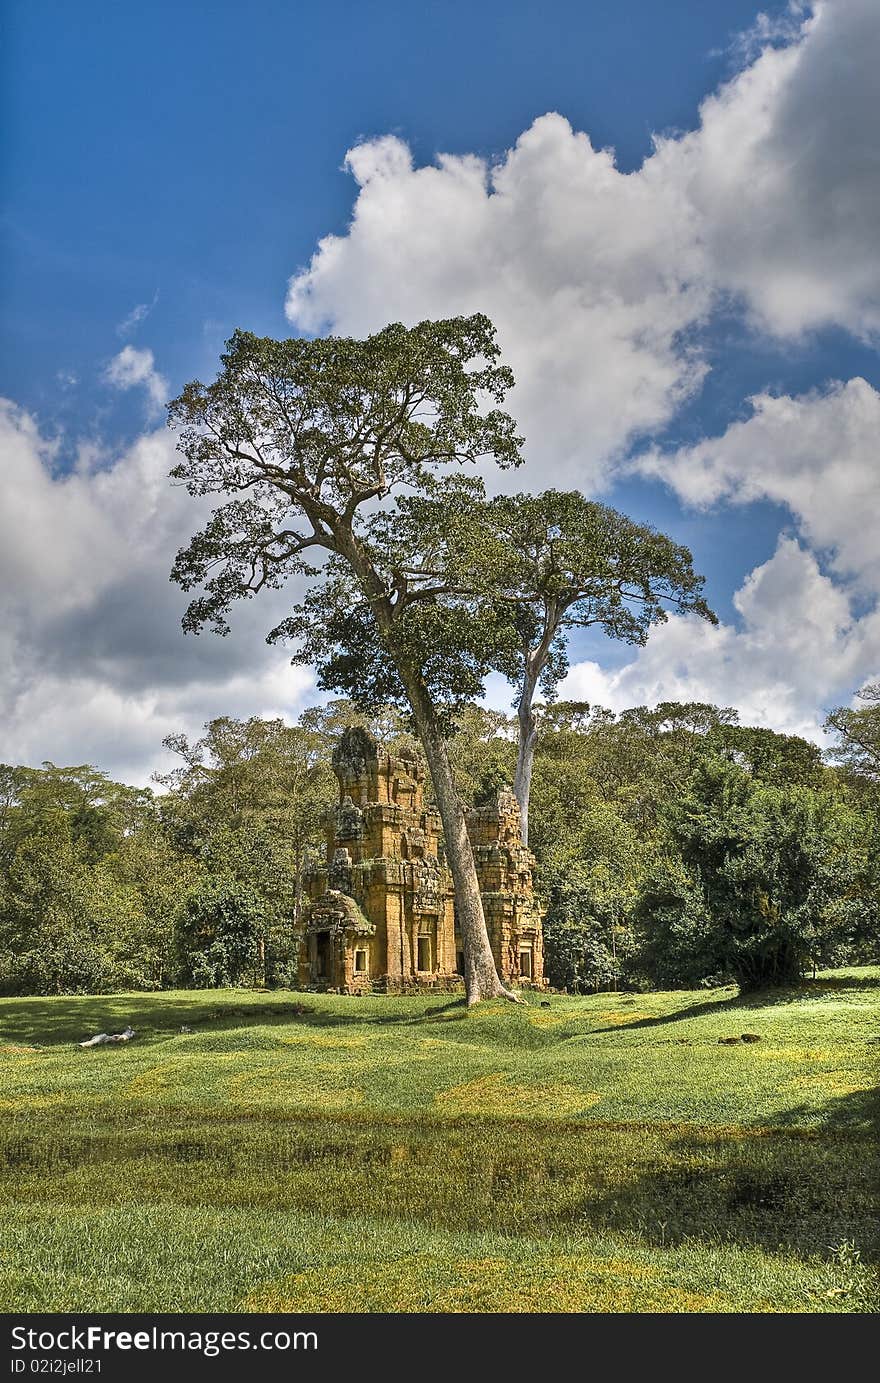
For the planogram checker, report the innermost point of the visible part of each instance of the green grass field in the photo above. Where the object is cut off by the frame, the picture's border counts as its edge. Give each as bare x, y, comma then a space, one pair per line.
304, 1152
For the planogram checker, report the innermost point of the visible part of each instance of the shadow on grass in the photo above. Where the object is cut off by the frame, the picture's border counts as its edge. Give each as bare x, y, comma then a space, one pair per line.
857, 1111
61, 1020
753, 999
775, 1187
64, 1019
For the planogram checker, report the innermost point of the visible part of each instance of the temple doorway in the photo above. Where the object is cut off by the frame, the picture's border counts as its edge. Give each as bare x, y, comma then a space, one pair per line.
323, 956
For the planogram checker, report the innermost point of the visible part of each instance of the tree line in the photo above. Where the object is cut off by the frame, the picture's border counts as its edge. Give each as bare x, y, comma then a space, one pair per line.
675, 847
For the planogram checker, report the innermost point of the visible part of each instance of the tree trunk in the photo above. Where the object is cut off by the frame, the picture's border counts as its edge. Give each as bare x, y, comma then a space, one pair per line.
534, 662
525, 759
481, 979
299, 858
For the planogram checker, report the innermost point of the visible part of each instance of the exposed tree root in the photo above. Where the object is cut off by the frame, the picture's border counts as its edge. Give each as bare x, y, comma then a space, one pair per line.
500, 993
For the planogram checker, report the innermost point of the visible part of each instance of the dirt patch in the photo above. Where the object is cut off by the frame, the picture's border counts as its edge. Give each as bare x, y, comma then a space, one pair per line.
494, 1094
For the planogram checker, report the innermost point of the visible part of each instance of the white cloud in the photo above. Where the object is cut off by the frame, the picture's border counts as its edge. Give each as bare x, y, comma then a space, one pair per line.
783, 176
93, 664
84, 719
588, 274
800, 649
818, 454
53, 542
596, 279
598, 282
138, 314
781, 27
132, 369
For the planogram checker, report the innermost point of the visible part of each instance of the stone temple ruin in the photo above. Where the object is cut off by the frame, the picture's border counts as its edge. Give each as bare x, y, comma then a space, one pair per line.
381, 914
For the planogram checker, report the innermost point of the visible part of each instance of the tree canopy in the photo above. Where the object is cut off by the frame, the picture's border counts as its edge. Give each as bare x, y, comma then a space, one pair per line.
555, 562
505, 581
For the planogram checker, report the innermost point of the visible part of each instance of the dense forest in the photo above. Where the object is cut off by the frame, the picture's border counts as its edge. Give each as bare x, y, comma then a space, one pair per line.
675, 847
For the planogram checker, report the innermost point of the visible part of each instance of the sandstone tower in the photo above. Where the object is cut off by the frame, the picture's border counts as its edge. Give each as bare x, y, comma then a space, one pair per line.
381, 913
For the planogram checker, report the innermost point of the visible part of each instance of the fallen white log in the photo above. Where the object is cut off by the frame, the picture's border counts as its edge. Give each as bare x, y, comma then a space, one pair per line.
102, 1037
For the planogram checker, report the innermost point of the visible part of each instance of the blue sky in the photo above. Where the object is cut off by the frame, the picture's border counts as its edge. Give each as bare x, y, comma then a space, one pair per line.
169, 169
194, 151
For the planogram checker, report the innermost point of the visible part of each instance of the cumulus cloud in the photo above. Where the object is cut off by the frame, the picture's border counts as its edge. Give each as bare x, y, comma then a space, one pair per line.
598, 280
588, 274
86, 719
600, 283
800, 649
93, 664
133, 369
784, 176
818, 454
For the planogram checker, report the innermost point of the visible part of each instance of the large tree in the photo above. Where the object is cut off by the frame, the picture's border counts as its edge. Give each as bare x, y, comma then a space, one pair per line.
507, 579
305, 440
760, 882
530, 569
560, 562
